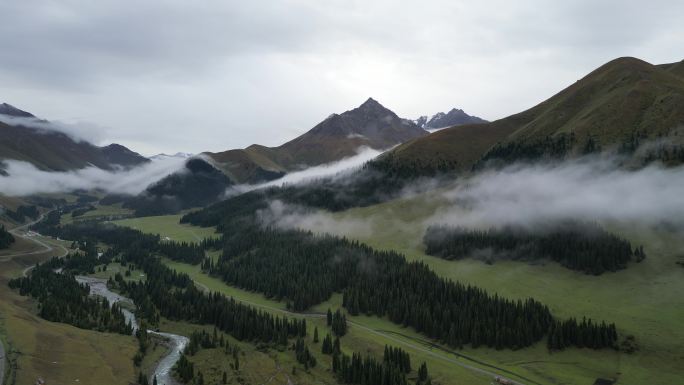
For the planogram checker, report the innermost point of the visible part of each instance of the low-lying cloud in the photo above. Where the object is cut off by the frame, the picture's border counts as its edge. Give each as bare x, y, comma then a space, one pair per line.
78, 131
585, 189
289, 216
333, 169
25, 179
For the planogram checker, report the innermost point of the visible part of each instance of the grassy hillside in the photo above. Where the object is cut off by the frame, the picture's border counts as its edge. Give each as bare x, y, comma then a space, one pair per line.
251, 165
624, 98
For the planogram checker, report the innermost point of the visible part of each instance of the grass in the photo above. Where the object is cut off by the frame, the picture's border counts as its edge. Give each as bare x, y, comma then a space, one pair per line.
59, 353
168, 226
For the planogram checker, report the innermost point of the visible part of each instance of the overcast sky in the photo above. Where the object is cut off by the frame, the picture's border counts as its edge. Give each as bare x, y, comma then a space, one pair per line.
168, 76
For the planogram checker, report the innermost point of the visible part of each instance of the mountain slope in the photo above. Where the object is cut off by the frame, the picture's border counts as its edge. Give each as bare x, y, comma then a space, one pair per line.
197, 184
337, 137
53, 150
621, 100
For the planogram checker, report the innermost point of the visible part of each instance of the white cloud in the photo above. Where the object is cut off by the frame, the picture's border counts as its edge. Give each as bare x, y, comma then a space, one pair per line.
25, 179
290, 216
586, 189
78, 131
339, 168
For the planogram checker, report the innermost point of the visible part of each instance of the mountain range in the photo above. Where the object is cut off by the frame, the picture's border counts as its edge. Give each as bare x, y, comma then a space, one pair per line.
623, 103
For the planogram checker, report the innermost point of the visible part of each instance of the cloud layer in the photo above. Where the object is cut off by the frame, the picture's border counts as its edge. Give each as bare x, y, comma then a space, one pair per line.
586, 189
78, 131
25, 179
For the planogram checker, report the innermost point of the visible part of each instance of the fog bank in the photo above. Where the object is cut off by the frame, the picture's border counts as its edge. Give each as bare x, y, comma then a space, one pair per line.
25, 179
585, 189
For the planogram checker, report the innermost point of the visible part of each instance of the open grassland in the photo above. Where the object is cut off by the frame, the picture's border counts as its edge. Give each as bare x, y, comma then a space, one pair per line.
168, 226
58, 353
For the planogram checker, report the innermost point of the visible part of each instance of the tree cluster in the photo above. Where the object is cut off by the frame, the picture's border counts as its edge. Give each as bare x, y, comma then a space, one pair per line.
397, 357
367, 370
337, 322
303, 354
552, 147
6, 239
62, 299
585, 334
582, 246
22, 212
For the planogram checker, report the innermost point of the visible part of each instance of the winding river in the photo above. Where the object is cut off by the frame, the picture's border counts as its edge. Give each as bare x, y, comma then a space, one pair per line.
163, 370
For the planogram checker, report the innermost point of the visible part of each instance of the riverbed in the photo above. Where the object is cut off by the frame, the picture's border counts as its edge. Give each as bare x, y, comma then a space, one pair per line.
177, 343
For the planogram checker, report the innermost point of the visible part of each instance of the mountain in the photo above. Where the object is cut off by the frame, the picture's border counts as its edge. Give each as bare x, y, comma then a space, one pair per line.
455, 117
10, 110
623, 102
24, 137
337, 137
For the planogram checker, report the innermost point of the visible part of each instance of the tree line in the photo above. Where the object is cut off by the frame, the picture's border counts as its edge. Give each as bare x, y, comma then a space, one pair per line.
391, 370
550, 146
582, 246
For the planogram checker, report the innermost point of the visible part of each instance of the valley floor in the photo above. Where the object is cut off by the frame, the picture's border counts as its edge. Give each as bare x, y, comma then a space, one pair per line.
644, 300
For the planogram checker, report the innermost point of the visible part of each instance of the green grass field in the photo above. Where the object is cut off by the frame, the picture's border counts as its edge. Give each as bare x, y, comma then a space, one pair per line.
168, 226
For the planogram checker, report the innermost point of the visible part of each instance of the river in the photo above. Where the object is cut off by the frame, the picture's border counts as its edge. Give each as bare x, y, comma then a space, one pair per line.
163, 370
